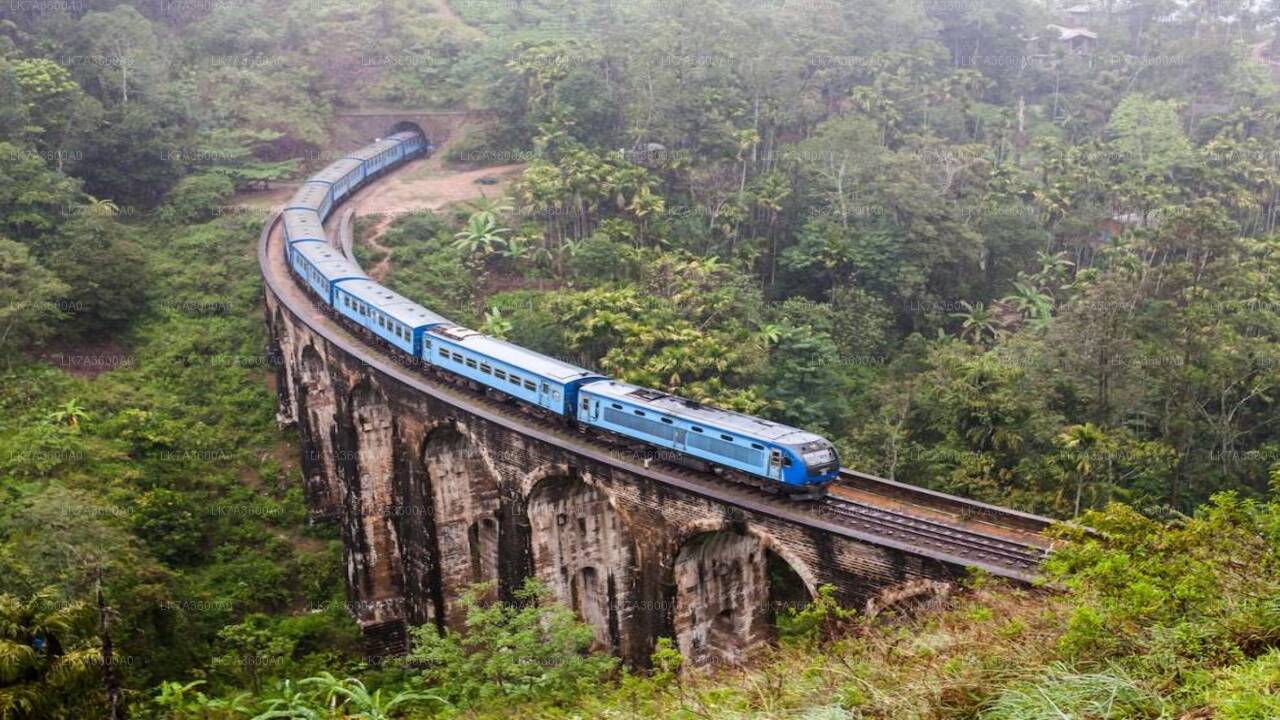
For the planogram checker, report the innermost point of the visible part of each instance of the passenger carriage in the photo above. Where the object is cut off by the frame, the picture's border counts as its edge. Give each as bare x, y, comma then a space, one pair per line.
411, 143
322, 267
377, 157
388, 315
342, 176
316, 196
523, 374
301, 226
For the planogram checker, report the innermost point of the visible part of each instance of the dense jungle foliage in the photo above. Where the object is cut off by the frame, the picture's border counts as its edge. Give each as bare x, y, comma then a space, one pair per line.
981, 257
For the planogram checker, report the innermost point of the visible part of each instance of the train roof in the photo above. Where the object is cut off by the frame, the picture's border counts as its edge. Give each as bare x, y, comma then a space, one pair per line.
336, 171
369, 151
397, 306
329, 262
692, 411
514, 355
303, 224
308, 197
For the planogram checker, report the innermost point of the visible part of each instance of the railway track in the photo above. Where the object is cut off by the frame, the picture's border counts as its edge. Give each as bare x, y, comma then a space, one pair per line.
944, 537
910, 519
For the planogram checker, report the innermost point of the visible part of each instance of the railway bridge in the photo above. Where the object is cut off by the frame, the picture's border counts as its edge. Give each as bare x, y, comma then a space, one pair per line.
436, 488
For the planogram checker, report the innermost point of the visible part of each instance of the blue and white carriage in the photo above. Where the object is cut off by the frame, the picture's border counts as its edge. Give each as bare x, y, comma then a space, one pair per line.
389, 315
496, 364
322, 268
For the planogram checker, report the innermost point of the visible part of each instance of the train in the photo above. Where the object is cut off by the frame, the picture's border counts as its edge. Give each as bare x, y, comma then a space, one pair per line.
776, 457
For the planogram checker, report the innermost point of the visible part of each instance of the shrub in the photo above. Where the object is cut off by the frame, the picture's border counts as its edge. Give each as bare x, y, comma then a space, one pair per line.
198, 198
531, 650
1250, 691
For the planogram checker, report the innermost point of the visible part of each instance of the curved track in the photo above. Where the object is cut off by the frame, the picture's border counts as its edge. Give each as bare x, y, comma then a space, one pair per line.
879, 512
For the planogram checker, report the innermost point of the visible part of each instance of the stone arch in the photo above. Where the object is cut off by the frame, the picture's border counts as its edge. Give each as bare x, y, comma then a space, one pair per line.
468, 517
729, 586
584, 551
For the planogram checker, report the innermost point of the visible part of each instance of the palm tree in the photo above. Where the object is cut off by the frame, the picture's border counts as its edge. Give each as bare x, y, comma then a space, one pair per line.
978, 324
481, 236
46, 654
1035, 306
1085, 442
769, 335
490, 208
98, 207
69, 414
517, 248
496, 324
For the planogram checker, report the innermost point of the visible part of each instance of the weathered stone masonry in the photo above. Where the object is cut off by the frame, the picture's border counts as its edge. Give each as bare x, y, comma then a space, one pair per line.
432, 498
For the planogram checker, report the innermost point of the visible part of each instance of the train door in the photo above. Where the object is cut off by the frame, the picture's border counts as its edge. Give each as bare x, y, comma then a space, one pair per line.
775, 464
545, 396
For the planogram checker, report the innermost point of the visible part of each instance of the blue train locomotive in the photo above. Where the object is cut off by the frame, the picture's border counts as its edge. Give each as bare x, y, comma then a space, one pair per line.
783, 457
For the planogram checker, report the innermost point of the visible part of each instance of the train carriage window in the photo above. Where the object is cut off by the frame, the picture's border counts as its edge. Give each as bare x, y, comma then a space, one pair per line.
500, 374
615, 406
529, 385
444, 353
757, 446
427, 344
457, 357
726, 438
638, 412
514, 379
471, 363
668, 421
486, 368
695, 428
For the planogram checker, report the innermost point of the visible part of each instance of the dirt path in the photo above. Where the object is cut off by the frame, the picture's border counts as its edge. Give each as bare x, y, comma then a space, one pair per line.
424, 184
379, 271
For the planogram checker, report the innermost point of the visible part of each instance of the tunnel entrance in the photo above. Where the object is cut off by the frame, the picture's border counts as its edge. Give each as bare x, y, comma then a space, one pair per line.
408, 126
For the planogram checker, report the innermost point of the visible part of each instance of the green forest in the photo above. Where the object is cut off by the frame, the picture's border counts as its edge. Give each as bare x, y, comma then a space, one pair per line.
980, 250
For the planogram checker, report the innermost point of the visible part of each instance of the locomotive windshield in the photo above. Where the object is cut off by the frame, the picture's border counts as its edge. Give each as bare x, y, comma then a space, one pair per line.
818, 453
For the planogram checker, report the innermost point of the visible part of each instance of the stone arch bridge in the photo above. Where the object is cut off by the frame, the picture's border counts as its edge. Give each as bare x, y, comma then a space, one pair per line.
436, 488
